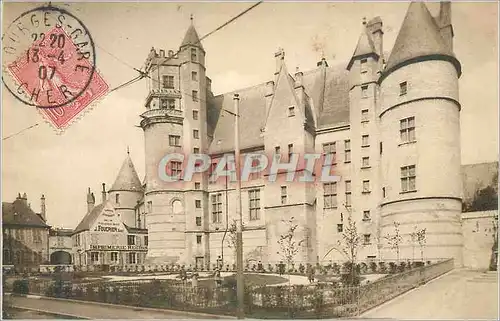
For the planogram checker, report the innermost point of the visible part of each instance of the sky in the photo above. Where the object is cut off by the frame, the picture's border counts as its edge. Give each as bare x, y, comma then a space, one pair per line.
91, 151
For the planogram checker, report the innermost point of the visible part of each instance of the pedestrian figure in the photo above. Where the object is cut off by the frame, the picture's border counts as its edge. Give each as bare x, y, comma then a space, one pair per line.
260, 268
310, 275
217, 278
281, 268
194, 280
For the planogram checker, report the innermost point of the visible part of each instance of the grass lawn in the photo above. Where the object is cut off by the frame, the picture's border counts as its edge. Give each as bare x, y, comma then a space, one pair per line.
250, 279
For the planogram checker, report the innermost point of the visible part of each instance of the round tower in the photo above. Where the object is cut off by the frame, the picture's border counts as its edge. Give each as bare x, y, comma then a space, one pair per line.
419, 115
174, 122
125, 192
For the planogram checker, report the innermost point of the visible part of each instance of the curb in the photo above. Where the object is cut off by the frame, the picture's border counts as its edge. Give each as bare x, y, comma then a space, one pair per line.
50, 312
374, 309
183, 312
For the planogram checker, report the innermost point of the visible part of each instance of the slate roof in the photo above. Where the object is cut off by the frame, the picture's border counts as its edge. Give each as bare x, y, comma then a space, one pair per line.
191, 38
419, 36
364, 47
61, 232
89, 219
19, 213
127, 179
135, 230
327, 88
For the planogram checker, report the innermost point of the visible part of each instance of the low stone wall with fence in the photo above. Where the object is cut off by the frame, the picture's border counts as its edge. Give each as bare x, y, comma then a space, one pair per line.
327, 300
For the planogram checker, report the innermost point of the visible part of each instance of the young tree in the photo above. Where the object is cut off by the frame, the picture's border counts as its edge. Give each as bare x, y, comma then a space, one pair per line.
349, 245
394, 240
289, 246
421, 239
418, 237
232, 239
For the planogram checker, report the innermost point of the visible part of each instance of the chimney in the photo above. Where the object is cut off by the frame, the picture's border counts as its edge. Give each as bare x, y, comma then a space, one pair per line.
209, 85
279, 56
43, 209
374, 29
24, 198
162, 53
444, 22
103, 192
298, 78
269, 94
90, 201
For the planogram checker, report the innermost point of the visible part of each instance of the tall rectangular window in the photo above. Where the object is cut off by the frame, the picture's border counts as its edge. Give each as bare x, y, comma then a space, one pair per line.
340, 228
407, 129
363, 65
291, 111
168, 81
365, 162
167, 104
196, 150
117, 199
331, 149
254, 204
408, 178
146, 240
198, 220
198, 239
330, 195
365, 141
194, 76
131, 258
364, 91
367, 239
283, 195
196, 134
150, 206
195, 114
130, 239
364, 115
174, 140
348, 193
197, 185
347, 151
217, 208
277, 151
193, 54
403, 88
194, 95
290, 151
94, 256
175, 168
366, 186
114, 256
197, 203
366, 216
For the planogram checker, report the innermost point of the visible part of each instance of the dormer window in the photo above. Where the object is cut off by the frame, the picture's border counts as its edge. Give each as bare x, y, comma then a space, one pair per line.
193, 54
403, 88
291, 111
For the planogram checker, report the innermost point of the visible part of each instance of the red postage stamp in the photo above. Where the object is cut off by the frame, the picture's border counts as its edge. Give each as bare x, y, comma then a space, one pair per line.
55, 69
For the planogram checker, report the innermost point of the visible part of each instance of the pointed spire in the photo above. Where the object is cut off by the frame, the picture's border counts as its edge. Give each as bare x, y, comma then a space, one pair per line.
191, 36
419, 36
127, 179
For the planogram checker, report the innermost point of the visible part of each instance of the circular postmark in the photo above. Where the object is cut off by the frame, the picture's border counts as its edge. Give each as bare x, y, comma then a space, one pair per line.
48, 57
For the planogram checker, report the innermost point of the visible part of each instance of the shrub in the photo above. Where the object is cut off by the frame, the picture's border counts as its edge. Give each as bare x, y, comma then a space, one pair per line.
418, 264
429, 262
363, 268
373, 267
392, 268
302, 268
336, 268
382, 267
402, 266
350, 279
20, 287
270, 267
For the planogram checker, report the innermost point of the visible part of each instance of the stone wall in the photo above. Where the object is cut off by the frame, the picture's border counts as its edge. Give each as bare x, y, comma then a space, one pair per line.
478, 232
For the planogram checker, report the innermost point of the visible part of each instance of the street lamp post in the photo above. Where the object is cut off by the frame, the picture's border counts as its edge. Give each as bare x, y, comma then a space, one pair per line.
239, 226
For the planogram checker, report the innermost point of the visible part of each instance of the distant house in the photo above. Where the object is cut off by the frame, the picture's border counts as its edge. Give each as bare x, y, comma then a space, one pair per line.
25, 234
60, 246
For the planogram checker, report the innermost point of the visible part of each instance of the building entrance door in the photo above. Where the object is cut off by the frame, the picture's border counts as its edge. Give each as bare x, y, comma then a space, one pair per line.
199, 262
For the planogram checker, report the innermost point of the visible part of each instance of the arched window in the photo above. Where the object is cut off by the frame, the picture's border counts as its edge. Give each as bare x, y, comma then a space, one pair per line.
177, 207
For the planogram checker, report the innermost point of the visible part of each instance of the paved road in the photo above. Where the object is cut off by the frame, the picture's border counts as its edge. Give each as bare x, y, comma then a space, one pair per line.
461, 294
96, 311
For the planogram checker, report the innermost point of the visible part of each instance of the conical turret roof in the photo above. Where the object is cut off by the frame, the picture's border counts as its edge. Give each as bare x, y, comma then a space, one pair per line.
364, 47
127, 179
419, 36
191, 38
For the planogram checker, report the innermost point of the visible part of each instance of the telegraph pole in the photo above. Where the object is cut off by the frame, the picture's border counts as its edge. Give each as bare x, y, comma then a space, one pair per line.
239, 226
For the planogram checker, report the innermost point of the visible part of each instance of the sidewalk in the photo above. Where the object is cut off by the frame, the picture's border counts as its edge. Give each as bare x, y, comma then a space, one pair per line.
461, 294
88, 310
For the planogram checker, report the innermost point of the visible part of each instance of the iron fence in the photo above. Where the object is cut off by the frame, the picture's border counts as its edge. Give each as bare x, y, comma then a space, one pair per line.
327, 300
